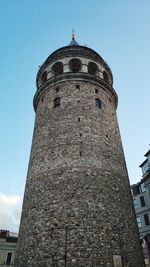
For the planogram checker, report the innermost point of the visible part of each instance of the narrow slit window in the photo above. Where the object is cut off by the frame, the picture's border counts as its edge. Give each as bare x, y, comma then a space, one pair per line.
57, 89
57, 102
42, 98
9, 256
146, 219
142, 200
79, 119
98, 103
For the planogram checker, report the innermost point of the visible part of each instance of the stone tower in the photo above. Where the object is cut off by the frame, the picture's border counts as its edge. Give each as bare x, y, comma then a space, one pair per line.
77, 208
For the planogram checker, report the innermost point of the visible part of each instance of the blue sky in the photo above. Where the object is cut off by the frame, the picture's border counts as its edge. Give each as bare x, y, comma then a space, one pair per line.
31, 30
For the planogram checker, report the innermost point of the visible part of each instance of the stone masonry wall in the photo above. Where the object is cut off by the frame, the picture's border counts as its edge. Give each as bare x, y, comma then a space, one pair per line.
77, 208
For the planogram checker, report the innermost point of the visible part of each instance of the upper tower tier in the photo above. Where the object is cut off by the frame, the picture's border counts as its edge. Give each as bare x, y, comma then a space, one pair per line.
74, 62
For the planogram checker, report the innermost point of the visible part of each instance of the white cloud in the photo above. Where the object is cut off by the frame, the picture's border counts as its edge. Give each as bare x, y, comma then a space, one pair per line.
8, 200
10, 209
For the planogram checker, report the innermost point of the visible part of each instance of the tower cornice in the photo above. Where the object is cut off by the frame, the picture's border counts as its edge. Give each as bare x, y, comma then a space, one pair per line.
73, 51
84, 77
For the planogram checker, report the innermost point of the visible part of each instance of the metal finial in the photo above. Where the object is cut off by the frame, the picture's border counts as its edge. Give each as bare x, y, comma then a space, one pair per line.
73, 35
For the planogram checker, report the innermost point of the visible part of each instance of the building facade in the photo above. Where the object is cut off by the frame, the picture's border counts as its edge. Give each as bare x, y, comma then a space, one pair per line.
8, 245
77, 208
141, 199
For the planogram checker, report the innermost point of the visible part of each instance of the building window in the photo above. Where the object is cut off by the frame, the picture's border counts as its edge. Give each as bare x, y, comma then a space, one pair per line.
57, 68
8, 259
142, 201
139, 222
77, 86
145, 166
142, 188
98, 103
96, 91
135, 190
75, 65
57, 102
146, 219
135, 204
92, 68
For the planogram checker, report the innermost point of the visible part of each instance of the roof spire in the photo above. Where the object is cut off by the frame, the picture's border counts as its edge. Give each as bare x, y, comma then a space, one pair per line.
73, 34
73, 41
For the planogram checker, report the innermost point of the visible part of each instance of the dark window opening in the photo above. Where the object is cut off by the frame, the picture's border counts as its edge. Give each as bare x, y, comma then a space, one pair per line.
96, 91
75, 65
80, 134
146, 219
142, 201
79, 119
105, 76
44, 77
57, 68
92, 68
77, 86
135, 190
42, 98
57, 89
98, 103
106, 136
57, 102
9, 256
80, 153
11, 239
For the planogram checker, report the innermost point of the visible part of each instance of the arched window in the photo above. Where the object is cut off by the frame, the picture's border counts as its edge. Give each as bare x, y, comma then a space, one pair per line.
44, 77
57, 68
98, 103
57, 102
105, 76
75, 65
92, 68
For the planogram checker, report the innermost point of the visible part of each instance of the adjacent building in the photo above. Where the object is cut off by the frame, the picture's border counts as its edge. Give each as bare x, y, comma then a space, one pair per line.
8, 244
141, 200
